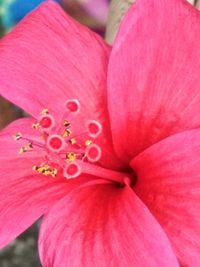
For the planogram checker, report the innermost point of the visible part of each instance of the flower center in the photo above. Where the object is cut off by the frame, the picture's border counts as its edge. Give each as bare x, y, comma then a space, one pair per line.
66, 152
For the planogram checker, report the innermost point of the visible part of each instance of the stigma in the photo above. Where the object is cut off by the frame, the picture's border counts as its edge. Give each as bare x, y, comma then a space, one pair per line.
61, 146
65, 151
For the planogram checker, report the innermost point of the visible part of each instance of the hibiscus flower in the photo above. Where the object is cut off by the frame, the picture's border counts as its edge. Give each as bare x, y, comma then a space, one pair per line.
110, 155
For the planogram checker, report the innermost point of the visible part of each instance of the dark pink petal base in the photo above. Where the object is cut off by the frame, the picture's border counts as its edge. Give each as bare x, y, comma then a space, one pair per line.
169, 184
103, 226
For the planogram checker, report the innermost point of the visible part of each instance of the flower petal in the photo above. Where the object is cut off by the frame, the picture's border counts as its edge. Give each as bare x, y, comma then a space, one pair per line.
169, 184
24, 195
48, 59
37, 74
103, 226
153, 77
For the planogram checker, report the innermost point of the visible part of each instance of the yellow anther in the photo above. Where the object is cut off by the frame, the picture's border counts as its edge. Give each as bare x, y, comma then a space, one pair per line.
36, 125
26, 148
45, 111
22, 150
35, 168
66, 123
70, 156
72, 141
67, 133
54, 172
45, 169
88, 142
17, 136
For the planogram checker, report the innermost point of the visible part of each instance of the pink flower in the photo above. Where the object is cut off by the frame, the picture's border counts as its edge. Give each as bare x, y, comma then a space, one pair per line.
139, 104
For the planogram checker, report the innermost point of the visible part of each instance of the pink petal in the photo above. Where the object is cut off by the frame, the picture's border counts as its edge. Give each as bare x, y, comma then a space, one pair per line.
24, 195
169, 183
103, 226
48, 59
153, 78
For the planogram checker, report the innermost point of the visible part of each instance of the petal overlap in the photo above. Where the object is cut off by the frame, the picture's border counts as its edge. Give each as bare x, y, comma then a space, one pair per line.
103, 226
153, 76
50, 58
153, 92
169, 184
24, 195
